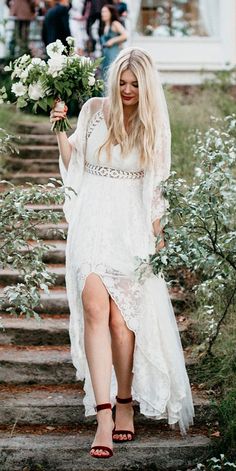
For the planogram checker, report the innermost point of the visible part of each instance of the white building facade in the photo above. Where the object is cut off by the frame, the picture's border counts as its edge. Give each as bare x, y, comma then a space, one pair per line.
189, 39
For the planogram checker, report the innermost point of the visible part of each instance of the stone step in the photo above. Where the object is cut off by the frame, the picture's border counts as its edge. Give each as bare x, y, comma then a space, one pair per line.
56, 302
31, 152
21, 178
55, 253
40, 128
31, 332
34, 128
45, 207
10, 277
50, 450
52, 231
36, 365
54, 330
63, 405
43, 365
36, 165
37, 139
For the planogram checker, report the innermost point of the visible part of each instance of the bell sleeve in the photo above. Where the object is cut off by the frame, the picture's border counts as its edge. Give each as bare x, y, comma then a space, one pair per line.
162, 160
72, 176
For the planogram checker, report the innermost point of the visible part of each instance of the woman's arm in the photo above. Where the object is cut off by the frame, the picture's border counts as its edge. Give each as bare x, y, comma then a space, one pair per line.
158, 211
65, 147
117, 28
159, 233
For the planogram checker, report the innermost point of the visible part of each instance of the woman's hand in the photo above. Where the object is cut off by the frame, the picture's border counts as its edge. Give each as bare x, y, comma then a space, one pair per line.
109, 43
160, 243
58, 112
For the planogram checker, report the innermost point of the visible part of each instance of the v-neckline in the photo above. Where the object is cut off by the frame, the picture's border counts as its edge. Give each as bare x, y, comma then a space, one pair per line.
105, 123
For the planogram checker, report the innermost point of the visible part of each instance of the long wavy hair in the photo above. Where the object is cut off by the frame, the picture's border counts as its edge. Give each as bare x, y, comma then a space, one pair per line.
145, 123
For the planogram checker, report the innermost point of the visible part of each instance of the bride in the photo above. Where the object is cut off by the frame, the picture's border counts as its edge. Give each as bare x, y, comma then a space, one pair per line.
124, 338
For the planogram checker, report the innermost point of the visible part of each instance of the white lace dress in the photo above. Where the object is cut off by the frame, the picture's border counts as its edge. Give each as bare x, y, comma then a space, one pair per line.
108, 235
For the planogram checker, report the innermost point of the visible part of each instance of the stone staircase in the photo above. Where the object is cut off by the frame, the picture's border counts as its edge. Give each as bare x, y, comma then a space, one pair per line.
42, 423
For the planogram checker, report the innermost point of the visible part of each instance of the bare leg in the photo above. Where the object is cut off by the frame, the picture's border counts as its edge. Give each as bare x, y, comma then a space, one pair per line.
122, 352
98, 352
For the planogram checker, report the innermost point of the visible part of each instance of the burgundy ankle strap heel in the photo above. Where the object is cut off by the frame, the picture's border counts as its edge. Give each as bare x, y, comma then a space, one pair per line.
123, 432
99, 407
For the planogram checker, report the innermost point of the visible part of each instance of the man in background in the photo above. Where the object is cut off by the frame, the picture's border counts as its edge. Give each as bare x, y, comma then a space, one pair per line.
24, 13
56, 23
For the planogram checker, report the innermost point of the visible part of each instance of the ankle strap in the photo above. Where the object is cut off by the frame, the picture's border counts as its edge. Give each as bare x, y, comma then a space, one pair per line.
124, 401
107, 405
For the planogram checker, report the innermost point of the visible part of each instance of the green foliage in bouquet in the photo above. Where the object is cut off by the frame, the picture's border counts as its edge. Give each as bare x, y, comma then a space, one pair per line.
66, 76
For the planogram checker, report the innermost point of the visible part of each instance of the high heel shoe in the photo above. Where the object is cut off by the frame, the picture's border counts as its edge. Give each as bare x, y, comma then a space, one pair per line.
122, 432
102, 447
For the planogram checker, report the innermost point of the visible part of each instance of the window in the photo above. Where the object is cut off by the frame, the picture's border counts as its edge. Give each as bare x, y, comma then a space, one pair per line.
178, 18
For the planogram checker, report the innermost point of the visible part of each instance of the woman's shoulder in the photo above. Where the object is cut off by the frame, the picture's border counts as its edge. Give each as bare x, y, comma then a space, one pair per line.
116, 26
95, 104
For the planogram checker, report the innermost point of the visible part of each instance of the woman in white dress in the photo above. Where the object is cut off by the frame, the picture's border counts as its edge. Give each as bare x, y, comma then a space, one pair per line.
124, 338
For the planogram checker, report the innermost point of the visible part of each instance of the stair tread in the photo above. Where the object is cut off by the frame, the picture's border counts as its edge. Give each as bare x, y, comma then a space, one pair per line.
10, 176
70, 395
77, 441
36, 147
58, 269
47, 323
153, 448
48, 354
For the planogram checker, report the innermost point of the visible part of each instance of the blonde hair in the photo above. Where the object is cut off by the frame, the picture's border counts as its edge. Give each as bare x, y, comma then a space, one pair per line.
144, 124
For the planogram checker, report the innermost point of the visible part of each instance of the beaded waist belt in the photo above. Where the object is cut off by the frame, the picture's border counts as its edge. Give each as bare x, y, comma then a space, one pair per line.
112, 172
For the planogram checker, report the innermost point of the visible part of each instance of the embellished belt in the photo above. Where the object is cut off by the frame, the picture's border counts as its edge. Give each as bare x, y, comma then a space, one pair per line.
112, 172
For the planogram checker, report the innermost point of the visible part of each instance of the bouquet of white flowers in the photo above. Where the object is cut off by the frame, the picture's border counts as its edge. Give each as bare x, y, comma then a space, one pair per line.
65, 76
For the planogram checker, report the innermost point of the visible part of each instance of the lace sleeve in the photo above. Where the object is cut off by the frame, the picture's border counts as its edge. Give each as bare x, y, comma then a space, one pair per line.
159, 205
72, 176
162, 161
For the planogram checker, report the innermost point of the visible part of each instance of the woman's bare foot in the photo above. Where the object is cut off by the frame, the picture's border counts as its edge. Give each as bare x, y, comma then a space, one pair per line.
103, 435
124, 421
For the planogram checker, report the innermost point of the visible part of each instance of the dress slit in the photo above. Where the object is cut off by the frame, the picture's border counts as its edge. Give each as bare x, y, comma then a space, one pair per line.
110, 294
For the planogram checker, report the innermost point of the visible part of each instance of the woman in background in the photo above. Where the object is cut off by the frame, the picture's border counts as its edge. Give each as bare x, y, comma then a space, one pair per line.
113, 35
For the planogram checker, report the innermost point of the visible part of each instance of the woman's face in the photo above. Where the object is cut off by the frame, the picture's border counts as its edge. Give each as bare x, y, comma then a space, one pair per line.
105, 14
129, 88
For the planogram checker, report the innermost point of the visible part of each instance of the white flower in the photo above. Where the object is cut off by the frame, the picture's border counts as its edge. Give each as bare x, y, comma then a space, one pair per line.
7, 68
85, 60
24, 74
1, 101
16, 72
70, 40
29, 67
56, 64
91, 80
24, 59
55, 48
18, 89
35, 91
36, 61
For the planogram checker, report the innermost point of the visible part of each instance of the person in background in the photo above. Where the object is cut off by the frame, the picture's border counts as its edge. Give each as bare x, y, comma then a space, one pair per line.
24, 13
122, 10
113, 35
56, 23
95, 7
78, 24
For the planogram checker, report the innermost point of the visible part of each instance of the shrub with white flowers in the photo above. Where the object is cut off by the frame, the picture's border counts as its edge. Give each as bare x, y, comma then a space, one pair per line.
65, 76
201, 235
221, 463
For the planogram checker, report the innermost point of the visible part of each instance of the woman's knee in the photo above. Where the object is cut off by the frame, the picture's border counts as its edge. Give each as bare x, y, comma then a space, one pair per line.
117, 323
95, 312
